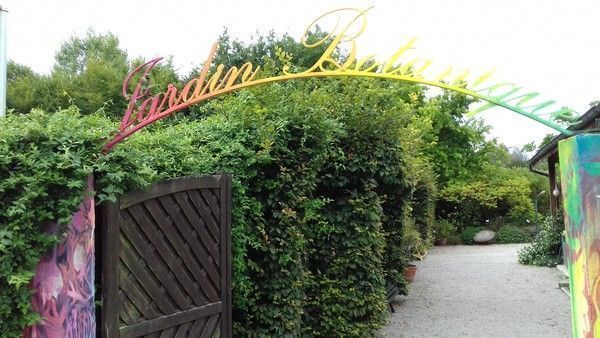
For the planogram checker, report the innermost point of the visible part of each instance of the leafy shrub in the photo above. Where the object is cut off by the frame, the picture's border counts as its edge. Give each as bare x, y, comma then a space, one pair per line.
493, 193
301, 262
44, 163
468, 233
546, 246
443, 229
411, 238
320, 200
455, 239
512, 234
423, 206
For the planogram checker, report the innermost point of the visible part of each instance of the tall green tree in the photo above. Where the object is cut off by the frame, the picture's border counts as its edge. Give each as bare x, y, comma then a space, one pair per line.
267, 47
23, 87
90, 70
75, 55
88, 73
460, 144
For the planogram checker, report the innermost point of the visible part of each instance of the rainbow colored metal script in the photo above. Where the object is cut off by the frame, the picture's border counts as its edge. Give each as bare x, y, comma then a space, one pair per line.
144, 109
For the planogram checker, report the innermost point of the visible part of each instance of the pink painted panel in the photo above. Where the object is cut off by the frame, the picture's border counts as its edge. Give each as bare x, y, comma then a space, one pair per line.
64, 282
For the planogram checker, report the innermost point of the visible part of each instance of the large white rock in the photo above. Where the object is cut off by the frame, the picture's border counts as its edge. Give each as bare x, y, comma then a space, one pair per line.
484, 236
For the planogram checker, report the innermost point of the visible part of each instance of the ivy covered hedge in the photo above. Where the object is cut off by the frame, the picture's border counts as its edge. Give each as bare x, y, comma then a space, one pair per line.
321, 189
44, 162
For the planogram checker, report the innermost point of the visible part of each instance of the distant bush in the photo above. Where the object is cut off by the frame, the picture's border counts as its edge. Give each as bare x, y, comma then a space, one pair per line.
454, 239
495, 192
423, 206
512, 234
545, 248
443, 229
468, 233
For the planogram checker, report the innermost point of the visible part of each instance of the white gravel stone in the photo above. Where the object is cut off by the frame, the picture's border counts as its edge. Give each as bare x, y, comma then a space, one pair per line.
481, 291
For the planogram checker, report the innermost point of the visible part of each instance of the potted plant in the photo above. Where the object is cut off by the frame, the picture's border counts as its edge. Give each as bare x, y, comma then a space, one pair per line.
411, 239
410, 271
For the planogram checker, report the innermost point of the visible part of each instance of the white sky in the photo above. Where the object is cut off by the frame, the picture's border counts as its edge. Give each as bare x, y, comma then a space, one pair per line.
551, 46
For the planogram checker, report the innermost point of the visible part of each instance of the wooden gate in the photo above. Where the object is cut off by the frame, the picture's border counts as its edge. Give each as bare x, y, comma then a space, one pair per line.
166, 260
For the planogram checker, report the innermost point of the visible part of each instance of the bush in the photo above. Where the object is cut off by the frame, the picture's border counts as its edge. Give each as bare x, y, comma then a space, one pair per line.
512, 234
443, 229
468, 233
44, 162
423, 207
455, 239
546, 246
307, 254
320, 200
495, 192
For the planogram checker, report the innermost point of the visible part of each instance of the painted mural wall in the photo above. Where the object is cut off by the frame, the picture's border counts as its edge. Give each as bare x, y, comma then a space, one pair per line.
580, 180
64, 281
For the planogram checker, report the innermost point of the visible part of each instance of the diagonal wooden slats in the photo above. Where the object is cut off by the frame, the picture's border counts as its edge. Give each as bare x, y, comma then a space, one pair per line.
175, 239
183, 330
210, 327
206, 214
130, 315
139, 273
171, 320
138, 299
199, 265
169, 256
143, 274
170, 332
170, 266
198, 226
212, 201
198, 327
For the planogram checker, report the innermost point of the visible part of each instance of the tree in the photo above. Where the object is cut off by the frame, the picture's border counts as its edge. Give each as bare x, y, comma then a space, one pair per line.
547, 139
529, 147
459, 142
88, 73
493, 194
76, 53
23, 87
17, 71
235, 52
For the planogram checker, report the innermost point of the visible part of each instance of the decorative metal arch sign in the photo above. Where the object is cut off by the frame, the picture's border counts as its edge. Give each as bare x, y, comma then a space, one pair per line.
144, 109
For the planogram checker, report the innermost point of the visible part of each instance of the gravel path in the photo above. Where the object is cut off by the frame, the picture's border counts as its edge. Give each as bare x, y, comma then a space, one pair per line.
481, 291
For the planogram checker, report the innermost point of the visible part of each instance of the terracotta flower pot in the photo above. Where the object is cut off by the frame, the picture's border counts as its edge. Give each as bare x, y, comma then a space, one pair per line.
409, 272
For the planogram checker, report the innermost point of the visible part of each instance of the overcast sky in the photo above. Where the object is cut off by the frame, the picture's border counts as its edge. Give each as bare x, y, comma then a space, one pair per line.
550, 46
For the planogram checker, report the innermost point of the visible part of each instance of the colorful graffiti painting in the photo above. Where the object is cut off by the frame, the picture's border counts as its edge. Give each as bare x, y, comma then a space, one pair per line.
580, 180
64, 281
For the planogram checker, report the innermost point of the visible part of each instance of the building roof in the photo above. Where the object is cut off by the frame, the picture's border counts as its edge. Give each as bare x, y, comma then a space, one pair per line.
590, 122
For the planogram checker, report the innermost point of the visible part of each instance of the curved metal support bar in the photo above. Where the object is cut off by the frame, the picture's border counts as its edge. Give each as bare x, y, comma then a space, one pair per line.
204, 87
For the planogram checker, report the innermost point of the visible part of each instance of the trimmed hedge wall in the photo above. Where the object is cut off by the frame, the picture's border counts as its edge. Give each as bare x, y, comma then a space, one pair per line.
319, 198
44, 162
